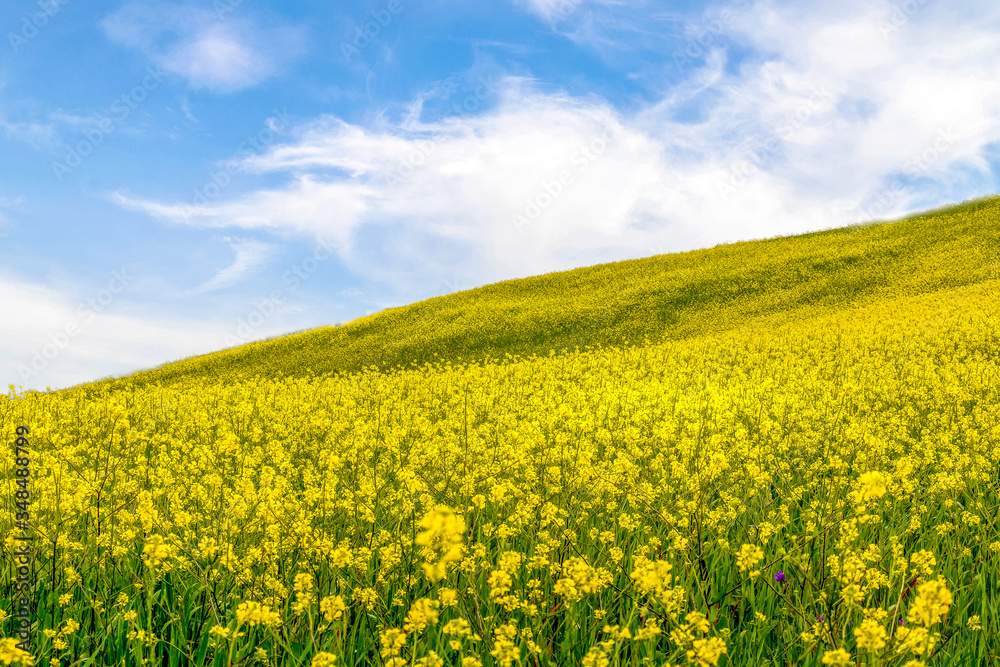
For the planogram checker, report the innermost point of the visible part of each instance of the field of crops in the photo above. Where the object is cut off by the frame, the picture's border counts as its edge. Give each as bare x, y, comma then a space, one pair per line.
804, 476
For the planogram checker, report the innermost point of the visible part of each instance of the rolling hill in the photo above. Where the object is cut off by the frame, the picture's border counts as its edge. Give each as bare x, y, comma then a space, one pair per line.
665, 297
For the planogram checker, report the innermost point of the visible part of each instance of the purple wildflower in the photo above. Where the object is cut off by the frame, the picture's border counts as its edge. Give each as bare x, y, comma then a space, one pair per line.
820, 618
780, 577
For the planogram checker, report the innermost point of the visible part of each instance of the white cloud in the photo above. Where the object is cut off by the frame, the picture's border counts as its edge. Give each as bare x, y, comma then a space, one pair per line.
556, 11
250, 256
33, 133
55, 342
212, 52
827, 117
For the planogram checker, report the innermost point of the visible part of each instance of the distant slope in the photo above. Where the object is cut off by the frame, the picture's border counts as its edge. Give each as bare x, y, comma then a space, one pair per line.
676, 296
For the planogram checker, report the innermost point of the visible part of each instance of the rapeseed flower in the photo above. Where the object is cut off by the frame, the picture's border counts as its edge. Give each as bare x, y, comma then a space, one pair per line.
254, 613
931, 605
323, 659
870, 635
10, 654
750, 555
706, 652
837, 657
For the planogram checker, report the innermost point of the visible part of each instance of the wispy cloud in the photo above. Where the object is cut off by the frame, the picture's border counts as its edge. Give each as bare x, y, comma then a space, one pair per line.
250, 255
797, 139
219, 54
56, 342
34, 133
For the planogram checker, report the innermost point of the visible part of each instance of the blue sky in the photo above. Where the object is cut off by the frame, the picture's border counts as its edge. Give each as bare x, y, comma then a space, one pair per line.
180, 177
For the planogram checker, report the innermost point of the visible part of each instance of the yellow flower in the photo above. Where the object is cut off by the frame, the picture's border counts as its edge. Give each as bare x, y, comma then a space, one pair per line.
458, 627
838, 658
368, 597
11, 654
422, 613
504, 649
441, 537
653, 578
750, 555
852, 594
500, 583
870, 635
697, 621
914, 640
933, 598
393, 641
448, 597
323, 659
871, 485
155, 550
596, 657
432, 659
581, 579
922, 562
333, 607
254, 613
706, 652
974, 623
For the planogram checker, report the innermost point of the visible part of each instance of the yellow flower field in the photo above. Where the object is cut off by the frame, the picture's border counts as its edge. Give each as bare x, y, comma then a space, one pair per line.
809, 489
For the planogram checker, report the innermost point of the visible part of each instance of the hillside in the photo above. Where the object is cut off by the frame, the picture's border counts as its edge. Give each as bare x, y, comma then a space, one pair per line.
665, 297
803, 471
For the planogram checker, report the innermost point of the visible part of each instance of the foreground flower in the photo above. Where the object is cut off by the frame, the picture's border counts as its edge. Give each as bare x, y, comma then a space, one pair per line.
254, 613
392, 641
838, 658
323, 659
706, 652
871, 635
441, 537
932, 603
871, 485
750, 555
11, 654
